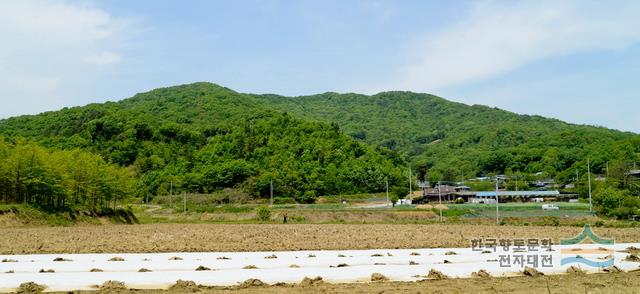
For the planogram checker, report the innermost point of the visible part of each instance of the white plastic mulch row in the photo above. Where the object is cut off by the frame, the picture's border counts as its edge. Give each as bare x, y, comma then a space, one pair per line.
227, 268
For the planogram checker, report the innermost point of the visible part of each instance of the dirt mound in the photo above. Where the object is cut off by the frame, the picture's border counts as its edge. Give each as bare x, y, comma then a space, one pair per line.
113, 286
614, 269
531, 272
632, 258
436, 275
30, 287
378, 277
9, 260
184, 286
450, 253
575, 270
272, 256
96, 270
61, 259
117, 258
175, 258
311, 281
251, 266
46, 271
340, 265
294, 266
481, 274
202, 268
633, 250
144, 270
252, 283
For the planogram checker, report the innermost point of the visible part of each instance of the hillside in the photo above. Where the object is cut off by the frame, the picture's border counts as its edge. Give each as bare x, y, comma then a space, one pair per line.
203, 137
456, 141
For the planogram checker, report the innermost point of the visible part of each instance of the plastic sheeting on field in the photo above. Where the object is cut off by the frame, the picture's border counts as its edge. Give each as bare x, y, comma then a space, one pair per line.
228, 268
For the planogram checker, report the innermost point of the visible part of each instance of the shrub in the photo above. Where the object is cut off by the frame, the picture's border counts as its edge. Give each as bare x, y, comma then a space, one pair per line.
400, 191
616, 203
263, 213
599, 223
394, 199
307, 197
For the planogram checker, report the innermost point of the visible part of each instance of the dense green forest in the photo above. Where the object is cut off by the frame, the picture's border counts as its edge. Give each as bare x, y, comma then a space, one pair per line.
202, 137
454, 141
35, 175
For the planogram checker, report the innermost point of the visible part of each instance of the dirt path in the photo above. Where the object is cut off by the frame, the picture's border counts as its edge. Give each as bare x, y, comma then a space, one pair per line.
270, 237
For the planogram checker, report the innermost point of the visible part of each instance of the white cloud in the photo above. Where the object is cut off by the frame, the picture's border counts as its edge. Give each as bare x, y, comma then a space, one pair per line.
498, 37
50, 49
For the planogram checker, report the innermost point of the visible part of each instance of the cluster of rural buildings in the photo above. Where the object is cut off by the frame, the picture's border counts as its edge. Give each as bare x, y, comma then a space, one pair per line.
539, 191
446, 193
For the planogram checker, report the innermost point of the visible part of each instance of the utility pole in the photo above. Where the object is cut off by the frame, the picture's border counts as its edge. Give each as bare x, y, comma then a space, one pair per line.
607, 170
440, 200
386, 180
577, 179
516, 183
497, 200
171, 194
271, 192
589, 181
410, 188
184, 202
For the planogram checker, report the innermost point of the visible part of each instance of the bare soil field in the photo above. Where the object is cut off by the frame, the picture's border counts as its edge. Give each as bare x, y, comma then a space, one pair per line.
271, 237
596, 283
299, 215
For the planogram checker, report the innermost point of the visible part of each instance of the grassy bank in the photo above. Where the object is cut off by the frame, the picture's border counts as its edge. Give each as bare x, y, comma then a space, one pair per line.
28, 215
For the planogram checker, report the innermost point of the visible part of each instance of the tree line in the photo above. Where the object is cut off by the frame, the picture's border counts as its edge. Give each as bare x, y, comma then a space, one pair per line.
32, 174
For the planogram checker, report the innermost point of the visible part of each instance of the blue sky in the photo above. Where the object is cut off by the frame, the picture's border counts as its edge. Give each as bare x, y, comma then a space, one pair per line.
578, 61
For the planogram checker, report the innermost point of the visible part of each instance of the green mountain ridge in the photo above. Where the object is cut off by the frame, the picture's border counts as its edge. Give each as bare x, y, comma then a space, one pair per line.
456, 141
203, 137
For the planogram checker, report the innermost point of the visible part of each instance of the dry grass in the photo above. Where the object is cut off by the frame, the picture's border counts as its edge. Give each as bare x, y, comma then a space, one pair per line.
269, 237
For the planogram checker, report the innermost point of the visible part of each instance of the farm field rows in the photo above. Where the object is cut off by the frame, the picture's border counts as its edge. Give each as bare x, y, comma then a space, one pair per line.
149, 238
68, 272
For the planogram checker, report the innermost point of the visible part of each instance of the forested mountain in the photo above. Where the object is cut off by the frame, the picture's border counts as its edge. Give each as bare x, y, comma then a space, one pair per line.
455, 141
202, 137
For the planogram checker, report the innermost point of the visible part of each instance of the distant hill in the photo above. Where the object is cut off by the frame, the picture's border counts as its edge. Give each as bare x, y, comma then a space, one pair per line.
456, 141
203, 137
